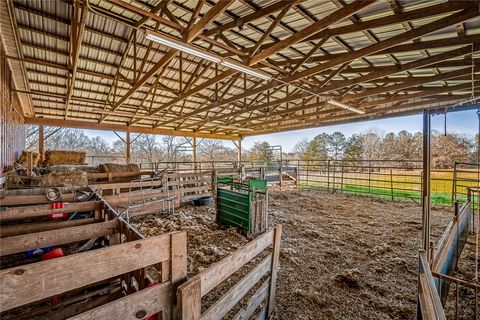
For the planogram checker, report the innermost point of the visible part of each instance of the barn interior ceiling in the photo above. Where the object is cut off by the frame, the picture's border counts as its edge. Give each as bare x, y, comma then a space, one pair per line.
234, 68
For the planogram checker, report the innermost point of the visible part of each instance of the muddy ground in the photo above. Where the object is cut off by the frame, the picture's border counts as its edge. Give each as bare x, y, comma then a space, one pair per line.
343, 257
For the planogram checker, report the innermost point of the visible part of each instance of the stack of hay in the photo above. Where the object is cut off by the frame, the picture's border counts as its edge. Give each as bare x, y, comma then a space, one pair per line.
113, 167
75, 179
25, 157
58, 157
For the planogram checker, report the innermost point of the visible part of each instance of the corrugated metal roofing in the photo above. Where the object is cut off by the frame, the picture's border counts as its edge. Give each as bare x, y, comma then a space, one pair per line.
107, 63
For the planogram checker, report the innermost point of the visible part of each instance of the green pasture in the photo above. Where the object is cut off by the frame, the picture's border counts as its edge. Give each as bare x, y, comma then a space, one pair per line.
400, 186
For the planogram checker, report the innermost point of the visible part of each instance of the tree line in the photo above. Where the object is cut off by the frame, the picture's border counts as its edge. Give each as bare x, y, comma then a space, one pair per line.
144, 147
445, 148
373, 145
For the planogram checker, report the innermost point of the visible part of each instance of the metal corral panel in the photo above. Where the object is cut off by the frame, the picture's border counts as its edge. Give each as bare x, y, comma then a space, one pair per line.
233, 208
450, 247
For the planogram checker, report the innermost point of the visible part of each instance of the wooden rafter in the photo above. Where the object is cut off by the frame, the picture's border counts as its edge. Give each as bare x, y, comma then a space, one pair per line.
141, 87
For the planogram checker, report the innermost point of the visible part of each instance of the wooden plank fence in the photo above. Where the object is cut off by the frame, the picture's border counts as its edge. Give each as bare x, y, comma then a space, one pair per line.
38, 281
189, 294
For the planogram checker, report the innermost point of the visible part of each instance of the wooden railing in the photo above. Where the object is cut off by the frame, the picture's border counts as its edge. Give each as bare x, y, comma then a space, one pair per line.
189, 294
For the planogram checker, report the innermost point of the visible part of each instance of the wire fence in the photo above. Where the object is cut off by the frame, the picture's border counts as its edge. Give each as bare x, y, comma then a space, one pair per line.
396, 180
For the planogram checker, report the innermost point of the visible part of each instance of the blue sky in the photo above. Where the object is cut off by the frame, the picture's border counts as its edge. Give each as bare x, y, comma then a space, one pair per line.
465, 122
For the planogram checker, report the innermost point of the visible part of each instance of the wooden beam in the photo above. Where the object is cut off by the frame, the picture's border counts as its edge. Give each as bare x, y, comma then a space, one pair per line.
24, 228
124, 128
37, 281
41, 142
22, 243
76, 37
208, 18
271, 27
248, 18
316, 27
195, 30
40, 210
390, 42
381, 113
128, 145
409, 84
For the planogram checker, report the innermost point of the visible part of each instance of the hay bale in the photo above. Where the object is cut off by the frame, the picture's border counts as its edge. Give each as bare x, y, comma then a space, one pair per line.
114, 167
56, 157
72, 167
25, 157
64, 179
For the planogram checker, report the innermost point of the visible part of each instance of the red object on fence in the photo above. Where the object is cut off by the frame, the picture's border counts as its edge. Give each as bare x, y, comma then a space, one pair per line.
61, 215
55, 253
153, 316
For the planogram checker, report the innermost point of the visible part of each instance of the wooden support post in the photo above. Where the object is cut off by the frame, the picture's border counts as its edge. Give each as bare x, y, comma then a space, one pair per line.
239, 151
275, 258
194, 154
128, 144
41, 141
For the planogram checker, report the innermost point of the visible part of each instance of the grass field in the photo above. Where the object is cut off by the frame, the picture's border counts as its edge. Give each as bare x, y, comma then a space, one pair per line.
394, 185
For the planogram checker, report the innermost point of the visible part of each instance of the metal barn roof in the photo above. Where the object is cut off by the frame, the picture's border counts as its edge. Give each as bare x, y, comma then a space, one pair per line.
87, 63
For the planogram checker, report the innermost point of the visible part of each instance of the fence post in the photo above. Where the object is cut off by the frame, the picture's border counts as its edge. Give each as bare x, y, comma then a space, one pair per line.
277, 235
328, 175
391, 183
334, 175
189, 300
454, 182
369, 174
308, 168
341, 179
297, 183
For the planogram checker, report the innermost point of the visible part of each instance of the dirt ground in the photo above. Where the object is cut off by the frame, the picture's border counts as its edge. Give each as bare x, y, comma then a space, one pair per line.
342, 257
348, 257
466, 272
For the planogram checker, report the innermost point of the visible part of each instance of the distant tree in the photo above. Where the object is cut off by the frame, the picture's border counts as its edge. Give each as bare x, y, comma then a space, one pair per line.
301, 147
98, 145
212, 149
353, 149
261, 152
371, 146
118, 146
169, 145
147, 148
446, 149
475, 154
318, 148
337, 145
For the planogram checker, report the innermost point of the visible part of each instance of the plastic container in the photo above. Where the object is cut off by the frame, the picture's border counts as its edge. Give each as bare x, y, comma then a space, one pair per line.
37, 252
55, 253
203, 201
60, 215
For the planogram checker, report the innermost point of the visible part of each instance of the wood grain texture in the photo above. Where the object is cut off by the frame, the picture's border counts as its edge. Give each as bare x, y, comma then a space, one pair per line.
147, 301
21, 243
33, 282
